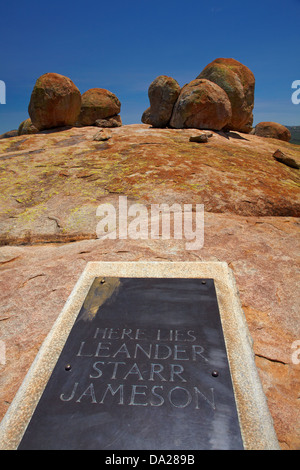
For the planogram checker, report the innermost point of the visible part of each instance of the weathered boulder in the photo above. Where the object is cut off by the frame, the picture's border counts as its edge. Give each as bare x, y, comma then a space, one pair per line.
8, 134
114, 121
26, 127
202, 105
202, 138
98, 103
286, 160
55, 102
163, 93
272, 130
238, 82
103, 134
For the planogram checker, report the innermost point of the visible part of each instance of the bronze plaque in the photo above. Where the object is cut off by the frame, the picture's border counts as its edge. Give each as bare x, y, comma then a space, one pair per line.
144, 368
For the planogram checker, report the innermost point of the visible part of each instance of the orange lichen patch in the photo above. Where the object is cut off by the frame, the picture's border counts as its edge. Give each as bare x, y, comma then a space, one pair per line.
231, 173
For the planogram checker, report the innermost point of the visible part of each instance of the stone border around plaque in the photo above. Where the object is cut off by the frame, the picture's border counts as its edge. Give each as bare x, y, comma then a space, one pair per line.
256, 424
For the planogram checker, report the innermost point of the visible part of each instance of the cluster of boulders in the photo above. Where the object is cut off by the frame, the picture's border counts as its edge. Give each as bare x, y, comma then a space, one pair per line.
220, 98
56, 102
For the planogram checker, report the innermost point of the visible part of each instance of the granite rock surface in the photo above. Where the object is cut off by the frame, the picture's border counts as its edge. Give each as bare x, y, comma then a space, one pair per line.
51, 185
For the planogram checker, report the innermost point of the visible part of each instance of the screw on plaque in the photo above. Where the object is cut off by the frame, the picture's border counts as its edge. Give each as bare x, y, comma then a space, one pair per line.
215, 373
203, 282
68, 367
102, 281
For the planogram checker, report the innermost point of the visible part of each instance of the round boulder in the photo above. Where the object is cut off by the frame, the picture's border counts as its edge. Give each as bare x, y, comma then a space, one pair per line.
202, 105
26, 127
163, 93
55, 102
238, 82
98, 103
272, 130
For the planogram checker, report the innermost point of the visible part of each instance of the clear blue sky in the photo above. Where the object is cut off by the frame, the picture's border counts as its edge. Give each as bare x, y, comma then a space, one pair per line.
124, 45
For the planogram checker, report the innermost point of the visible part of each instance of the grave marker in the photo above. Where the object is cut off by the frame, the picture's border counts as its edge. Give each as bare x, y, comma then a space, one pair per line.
145, 356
